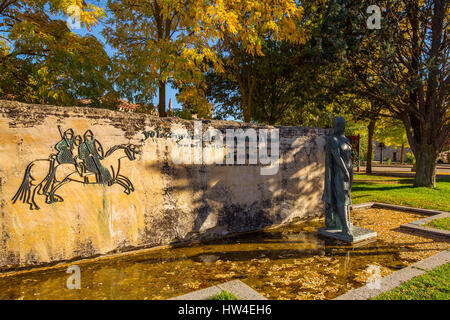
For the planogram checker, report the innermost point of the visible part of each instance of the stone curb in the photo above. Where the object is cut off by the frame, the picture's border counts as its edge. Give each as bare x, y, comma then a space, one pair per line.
398, 277
406, 208
236, 287
418, 225
362, 205
396, 207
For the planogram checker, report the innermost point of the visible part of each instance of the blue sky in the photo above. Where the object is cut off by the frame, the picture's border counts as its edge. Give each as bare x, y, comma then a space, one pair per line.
170, 93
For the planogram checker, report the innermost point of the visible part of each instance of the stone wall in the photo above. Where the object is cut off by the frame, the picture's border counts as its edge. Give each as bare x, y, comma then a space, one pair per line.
52, 213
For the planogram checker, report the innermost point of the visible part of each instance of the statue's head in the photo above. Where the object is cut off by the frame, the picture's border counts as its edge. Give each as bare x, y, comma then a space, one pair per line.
339, 125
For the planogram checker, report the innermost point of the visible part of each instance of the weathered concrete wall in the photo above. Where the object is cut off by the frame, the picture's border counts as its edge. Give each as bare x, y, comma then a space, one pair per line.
169, 203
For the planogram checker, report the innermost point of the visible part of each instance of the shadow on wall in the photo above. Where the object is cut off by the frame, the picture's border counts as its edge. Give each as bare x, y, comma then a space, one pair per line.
223, 204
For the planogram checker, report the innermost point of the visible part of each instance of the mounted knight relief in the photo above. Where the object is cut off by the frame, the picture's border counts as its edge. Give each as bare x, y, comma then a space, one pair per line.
79, 159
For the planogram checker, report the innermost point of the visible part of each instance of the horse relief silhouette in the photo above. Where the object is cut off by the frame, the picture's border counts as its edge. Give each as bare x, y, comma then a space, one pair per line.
78, 159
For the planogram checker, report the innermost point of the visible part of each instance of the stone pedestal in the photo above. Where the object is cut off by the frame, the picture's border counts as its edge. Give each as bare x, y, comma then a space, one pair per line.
358, 234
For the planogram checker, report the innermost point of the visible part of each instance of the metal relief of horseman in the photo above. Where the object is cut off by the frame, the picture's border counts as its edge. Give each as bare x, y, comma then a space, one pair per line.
76, 160
65, 147
91, 152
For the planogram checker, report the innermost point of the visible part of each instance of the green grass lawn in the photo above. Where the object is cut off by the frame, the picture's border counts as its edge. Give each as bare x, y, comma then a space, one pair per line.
433, 285
394, 190
442, 223
224, 295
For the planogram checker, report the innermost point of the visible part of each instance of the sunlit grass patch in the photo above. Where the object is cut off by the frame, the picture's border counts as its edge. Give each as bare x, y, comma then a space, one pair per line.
400, 191
224, 295
442, 223
433, 285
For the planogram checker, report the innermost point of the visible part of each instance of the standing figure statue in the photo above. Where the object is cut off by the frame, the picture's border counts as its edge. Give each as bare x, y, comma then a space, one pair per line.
338, 186
338, 179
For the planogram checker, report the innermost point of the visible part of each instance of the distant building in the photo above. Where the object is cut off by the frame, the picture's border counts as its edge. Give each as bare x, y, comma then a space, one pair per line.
444, 156
392, 152
127, 106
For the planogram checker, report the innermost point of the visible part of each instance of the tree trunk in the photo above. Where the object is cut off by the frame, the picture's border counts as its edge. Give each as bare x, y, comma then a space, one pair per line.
425, 166
247, 105
247, 113
162, 99
371, 129
425, 146
245, 108
245, 100
402, 154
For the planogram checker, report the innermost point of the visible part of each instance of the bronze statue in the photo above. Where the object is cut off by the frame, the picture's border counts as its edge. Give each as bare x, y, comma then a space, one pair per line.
337, 189
338, 179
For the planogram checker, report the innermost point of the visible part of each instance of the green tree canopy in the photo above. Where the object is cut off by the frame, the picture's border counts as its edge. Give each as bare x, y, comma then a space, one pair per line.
175, 40
405, 66
42, 61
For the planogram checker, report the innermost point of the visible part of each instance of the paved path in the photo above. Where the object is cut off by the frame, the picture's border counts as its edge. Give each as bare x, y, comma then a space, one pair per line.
442, 170
395, 279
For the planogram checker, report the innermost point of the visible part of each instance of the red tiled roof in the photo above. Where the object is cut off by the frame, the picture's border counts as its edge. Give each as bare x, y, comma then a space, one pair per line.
123, 104
127, 106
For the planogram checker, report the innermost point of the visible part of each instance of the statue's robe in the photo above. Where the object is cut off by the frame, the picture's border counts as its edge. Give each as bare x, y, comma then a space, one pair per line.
337, 191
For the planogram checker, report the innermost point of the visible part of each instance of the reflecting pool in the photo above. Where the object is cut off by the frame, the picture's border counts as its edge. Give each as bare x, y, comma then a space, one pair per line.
289, 262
